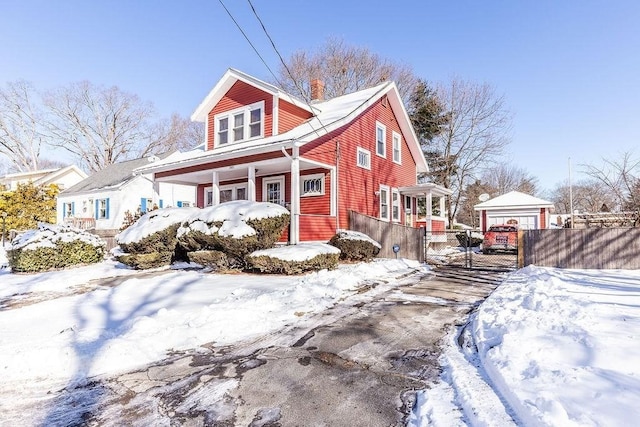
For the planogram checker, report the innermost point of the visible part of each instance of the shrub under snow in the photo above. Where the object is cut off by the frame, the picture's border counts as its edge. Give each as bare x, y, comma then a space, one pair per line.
53, 246
236, 228
151, 240
355, 246
295, 259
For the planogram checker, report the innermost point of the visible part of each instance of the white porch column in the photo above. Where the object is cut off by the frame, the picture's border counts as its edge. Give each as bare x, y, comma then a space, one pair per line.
294, 233
251, 183
215, 188
334, 192
156, 193
429, 207
442, 207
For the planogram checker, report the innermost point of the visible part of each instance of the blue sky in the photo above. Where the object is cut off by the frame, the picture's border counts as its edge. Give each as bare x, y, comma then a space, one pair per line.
569, 70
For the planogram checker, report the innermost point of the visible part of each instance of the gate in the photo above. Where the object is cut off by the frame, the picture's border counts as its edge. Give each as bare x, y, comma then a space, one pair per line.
463, 249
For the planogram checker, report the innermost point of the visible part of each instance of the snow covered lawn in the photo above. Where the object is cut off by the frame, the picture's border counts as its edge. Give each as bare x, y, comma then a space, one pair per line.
562, 348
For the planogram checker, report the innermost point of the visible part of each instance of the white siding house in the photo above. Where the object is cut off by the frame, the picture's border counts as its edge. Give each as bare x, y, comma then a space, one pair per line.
101, 200
524, 210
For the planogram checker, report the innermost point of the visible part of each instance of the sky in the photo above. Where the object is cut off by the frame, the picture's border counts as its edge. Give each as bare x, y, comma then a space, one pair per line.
568, 70
548, 347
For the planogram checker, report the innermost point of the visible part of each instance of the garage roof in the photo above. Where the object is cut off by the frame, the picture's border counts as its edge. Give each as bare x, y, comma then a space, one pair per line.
511, 200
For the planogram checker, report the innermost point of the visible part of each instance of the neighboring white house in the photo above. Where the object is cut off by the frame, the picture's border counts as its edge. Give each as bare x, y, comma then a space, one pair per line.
64, 178
101, 200
524, 210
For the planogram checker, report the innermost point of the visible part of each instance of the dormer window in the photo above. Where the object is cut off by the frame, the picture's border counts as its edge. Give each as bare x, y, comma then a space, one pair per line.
240, 124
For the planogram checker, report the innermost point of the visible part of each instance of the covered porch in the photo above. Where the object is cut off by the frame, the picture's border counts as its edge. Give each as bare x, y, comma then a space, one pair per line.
425, 206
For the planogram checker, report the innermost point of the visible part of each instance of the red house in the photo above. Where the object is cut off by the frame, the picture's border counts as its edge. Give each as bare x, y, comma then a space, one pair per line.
321, 159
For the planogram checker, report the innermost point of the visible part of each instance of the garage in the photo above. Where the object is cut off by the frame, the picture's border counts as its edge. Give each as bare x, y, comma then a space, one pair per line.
524, 210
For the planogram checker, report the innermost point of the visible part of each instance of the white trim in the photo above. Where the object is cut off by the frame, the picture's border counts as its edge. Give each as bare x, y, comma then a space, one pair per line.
275, 115
234, 190
246, 124
272, 179
397, 204
368, 154
387, 198
395, 137
380, 126
314, 176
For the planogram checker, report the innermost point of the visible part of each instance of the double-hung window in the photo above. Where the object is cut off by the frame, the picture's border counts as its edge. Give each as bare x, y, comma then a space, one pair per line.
397, 144
384, 202
381, 140
240, 124
395, 205
364, 158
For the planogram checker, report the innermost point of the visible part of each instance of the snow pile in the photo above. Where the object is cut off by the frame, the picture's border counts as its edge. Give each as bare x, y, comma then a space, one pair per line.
549, 347
356, 235
299, 252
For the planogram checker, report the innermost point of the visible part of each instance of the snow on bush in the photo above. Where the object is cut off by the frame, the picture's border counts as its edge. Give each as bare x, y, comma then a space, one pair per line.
355, 246
54, 246
151, 241
236, 228
295, 259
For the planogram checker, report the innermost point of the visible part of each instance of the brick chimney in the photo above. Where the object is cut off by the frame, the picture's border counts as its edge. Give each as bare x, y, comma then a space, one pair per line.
317, 90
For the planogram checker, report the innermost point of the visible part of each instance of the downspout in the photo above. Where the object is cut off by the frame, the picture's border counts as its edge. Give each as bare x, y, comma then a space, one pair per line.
336, 186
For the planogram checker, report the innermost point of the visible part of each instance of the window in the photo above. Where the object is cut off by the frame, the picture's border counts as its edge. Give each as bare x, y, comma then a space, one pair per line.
396, 148
227, 193
208, 197
364, 158
312, 185
381, 140
384, 202
146, 205
240, 124
182, 204
395, 205
67, 210
102, 209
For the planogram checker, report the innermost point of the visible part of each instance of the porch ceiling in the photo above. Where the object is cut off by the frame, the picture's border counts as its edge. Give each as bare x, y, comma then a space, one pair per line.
228, 173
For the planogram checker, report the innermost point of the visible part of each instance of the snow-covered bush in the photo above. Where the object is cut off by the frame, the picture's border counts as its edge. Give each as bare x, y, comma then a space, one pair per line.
213, 259
236, 228
355, 246
295, 259
51, 246
151, 241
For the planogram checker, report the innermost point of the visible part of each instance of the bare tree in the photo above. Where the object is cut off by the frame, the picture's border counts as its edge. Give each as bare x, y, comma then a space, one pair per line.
621, 177
588, 196
177, 133
98, 125
20, 126
343, 69
506, 177
473, 138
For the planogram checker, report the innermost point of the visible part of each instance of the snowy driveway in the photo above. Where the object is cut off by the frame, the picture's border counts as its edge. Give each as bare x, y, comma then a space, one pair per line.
356, 363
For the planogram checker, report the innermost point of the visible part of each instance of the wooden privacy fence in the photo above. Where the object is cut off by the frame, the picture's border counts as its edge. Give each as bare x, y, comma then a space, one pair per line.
597, 248
388, 234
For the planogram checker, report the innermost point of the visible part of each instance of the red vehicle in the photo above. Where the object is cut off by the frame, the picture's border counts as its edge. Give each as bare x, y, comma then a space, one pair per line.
503, 237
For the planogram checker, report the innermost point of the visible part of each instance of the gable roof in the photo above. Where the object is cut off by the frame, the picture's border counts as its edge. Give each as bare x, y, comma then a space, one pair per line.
513, 200
111, 177
43, 176
230, 77
329, 115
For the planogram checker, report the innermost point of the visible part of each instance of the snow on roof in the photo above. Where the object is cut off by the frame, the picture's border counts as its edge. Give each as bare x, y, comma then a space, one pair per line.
513, 199
330, 115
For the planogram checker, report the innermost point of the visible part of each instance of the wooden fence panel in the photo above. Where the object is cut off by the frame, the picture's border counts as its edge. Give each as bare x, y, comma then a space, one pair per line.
591, 248
410, 239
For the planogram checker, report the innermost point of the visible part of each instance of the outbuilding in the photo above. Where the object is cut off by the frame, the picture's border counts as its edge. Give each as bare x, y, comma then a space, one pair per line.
525, 211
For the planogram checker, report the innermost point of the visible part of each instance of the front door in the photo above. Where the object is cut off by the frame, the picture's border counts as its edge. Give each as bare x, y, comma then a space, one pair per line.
273, 190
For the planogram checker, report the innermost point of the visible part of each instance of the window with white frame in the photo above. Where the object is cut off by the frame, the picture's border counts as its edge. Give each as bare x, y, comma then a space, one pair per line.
273, 190
381, 140
240, 124
102, 209
384, 202
397, 144
395, 205
68, 210
312, 185
208, 196
227, 193
364, 158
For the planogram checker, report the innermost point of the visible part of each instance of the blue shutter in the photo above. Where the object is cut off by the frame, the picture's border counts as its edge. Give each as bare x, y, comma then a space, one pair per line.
73, 208
160, 204
97, 207
107, 212
64, 210
143, 205
179, 204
